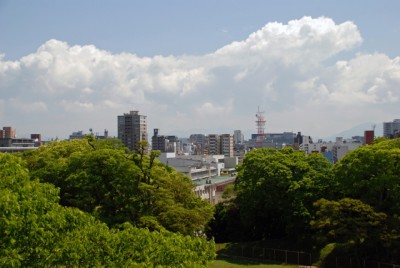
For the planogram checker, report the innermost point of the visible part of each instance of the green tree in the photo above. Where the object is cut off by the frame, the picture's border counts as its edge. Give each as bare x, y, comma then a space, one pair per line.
102, 179
347, 221
276, 189
105, 183
32, 224
226, 225
371, 174
36, 231
354, 228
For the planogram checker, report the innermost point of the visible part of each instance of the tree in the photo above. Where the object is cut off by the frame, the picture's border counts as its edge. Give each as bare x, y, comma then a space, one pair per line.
32, 224
36, 231
371, 174
276, 188
116, 187
226, 225
354, 228
347, 221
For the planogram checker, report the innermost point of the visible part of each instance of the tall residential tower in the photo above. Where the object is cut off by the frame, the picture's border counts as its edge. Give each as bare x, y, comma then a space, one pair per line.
390, 129
132, 129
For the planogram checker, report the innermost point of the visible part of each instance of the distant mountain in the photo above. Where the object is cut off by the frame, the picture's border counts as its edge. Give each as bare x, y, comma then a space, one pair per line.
357, 131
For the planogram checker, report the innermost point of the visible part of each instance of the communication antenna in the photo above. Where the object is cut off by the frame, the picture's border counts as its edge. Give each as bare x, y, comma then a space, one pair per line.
260, 123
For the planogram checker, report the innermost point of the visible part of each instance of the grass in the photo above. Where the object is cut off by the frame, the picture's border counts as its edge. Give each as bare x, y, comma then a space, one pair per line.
237, 263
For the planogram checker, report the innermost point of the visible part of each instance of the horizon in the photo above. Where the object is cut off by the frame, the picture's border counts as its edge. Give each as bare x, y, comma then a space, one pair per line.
347, 134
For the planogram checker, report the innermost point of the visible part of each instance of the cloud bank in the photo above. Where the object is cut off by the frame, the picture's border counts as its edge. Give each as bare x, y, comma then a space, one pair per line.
292, 71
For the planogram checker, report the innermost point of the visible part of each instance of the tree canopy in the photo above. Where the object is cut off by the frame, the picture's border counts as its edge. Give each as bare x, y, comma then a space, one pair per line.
276, 188
116, 187
36, 231
285, 193
371, 174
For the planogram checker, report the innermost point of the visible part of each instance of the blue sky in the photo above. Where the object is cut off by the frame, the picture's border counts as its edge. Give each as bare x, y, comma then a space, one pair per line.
319, 67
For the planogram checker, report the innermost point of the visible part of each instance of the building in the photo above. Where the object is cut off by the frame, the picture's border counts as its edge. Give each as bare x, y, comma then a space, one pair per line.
332, 151
165, 144
213, 144
196, 167
10, 144
220, 145
78, 135
369, 136
239, 150
391, 129
158, 142
132, 129
199, 142
226, 145
238, 137
7, 133
37, 138
212, 189
297, 140
274, 140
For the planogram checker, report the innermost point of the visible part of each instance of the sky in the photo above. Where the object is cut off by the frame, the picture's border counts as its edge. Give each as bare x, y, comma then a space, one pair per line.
319, 67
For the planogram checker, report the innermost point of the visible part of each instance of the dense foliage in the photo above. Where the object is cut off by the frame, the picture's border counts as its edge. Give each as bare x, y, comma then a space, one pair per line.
36, 231
353, 205
101, 178
276, 190
91, 203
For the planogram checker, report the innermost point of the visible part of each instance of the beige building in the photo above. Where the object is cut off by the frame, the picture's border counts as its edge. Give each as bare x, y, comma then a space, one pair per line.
213, 144
226, 145
220, 145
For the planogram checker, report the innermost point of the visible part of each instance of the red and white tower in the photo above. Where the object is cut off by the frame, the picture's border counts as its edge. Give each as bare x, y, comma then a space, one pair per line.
260, 123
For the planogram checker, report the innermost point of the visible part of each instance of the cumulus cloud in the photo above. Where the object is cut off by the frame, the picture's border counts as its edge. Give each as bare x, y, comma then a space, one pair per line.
28, 107
316, 39
288, 69
216, 110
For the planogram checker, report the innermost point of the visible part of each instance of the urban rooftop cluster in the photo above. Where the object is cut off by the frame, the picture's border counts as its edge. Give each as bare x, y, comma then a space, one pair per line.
132, 128
209, 160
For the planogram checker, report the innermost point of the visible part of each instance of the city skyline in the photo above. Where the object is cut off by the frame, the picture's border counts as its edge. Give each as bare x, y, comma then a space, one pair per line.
318, 68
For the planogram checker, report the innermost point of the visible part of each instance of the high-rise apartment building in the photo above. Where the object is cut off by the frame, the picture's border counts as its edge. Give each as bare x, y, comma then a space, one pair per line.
213, 144
220, 144
132, 129
226, 145
238, 137
390, 129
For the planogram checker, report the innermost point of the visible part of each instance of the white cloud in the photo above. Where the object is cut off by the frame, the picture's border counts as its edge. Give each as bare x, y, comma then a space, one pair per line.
28, 107
306, 39
287, 69
367, 79
215, 110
